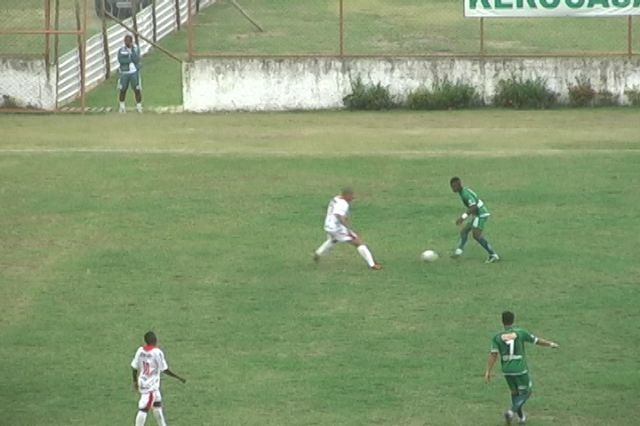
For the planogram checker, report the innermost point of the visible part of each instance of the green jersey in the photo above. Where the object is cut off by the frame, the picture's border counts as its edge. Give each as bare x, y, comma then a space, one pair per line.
129, 59
470, 198
509, 345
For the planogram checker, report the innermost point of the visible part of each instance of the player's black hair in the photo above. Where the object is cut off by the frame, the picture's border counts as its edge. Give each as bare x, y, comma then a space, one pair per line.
150, 338
454, 179
508, 317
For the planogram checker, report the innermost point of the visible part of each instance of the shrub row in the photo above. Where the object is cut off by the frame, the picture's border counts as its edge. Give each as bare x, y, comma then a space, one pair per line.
510, 93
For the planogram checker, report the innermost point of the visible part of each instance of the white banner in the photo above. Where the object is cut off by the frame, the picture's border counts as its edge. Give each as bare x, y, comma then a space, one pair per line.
537, 8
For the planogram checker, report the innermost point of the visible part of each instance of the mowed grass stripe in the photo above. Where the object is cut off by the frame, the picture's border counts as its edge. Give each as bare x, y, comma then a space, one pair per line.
331, 133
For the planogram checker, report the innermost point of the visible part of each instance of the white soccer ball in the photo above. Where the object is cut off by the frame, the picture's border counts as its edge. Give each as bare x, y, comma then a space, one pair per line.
429, 256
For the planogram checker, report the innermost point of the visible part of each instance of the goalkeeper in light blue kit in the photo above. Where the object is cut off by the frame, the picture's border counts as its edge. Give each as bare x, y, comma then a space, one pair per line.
129, 60
476, 216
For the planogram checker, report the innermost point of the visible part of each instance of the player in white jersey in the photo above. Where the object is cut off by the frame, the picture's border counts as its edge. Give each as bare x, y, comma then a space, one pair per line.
148, 364
338, 229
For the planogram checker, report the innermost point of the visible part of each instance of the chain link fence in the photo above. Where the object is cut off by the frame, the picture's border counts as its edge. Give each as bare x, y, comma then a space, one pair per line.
398, 27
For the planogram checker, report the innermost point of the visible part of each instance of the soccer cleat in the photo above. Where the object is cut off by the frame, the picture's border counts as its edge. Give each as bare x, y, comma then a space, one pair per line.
493, 258
508, 417
316, 258
139, 109
376, 267
522, 420
457, 253
122, 110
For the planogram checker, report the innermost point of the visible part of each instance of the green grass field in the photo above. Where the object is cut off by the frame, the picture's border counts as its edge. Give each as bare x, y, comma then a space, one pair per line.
202, 228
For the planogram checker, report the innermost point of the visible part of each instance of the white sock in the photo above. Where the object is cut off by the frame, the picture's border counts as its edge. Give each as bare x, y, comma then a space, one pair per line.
325, 247
122, 106
157, 413
141, 418
139, 107
366, 255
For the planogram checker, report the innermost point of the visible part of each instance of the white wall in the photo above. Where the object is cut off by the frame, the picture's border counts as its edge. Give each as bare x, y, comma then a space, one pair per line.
28, 83
223, 84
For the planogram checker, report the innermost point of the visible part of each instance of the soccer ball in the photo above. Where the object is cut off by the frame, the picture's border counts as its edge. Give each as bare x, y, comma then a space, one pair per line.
429, 256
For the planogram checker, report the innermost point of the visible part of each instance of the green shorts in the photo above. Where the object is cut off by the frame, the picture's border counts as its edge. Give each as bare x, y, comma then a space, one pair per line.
132, 79
519, 384
476, 222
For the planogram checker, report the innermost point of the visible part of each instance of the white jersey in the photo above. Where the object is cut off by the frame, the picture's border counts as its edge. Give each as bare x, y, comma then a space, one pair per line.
337, 206
150, 363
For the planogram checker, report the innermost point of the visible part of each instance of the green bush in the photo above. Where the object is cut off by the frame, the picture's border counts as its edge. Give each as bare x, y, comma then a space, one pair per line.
368, 97
517, 93
581, 94
444, 95
9, 102
633, 95
604, 98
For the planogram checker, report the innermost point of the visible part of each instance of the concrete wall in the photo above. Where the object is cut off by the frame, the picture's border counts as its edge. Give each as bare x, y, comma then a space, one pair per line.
317, 83
27, 83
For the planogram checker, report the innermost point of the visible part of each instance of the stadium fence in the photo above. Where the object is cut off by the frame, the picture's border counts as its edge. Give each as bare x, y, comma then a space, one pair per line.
79, 39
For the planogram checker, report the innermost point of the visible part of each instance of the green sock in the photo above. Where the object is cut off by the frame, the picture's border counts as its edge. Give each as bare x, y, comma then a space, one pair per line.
463, 240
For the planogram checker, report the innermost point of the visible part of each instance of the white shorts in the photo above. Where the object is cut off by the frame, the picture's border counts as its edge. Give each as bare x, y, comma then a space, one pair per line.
149, 399
342, 235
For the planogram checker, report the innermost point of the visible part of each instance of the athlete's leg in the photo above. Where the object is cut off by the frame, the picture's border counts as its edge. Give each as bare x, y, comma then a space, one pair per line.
325, 247
137, 90
158, 414
144, 405
464, 235
123, 84
477, 235
364, 252
141, 417
513, 389
523, 393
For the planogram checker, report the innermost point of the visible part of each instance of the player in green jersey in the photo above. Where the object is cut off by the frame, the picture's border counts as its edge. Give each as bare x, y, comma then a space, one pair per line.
476, 216
509, 346
129, 60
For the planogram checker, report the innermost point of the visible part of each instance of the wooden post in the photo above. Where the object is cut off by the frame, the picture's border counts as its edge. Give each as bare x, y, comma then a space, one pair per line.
85, 24
154, 21
190, 31
134, 17
56, 37
481, 36
105, 41
81, 56
56, 43
47, 28
341, 28
178, 15
630, 36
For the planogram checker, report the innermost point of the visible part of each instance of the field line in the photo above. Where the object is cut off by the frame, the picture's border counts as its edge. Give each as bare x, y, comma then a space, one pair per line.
285, 153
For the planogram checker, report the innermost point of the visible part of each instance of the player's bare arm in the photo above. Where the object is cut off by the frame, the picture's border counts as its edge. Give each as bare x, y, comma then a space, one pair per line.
134, 373
174, 375
547, 343
491, 360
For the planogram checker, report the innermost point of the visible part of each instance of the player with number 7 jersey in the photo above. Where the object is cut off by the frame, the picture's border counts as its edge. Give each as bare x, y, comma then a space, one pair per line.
509, 345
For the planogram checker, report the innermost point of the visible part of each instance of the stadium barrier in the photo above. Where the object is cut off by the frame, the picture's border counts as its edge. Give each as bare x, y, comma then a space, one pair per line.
167, 15
276, 84
91, 61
